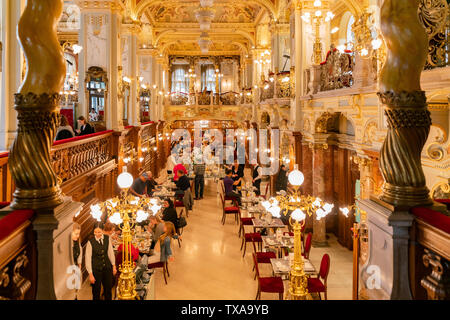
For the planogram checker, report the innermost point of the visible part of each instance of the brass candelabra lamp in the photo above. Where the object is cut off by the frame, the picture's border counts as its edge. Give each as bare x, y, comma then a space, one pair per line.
125, 211
319, 17
299, 205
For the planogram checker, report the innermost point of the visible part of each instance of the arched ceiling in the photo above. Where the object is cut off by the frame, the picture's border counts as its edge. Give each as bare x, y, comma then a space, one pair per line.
176, 29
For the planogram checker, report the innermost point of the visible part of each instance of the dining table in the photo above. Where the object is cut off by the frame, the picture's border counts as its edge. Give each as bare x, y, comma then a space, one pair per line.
263, 223
282, 266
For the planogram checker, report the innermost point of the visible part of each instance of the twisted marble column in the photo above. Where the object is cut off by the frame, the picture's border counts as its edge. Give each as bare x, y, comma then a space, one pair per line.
37, 104
405, 104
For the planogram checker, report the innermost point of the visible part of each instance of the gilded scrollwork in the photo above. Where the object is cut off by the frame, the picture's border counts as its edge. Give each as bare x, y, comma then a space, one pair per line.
13, 283
337, 70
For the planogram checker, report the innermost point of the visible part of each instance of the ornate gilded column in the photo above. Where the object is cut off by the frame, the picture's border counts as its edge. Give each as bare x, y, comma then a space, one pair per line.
130, 33
37, 105
405, 104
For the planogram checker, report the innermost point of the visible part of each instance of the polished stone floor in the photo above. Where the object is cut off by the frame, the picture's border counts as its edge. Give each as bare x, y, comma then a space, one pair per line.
209, 265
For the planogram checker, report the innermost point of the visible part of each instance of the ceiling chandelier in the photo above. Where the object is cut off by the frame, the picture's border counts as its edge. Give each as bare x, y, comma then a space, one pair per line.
204, 42
204, 16
298, 206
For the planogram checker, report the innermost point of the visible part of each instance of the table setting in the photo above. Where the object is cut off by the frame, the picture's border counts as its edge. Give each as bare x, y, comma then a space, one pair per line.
283, 266
163, 192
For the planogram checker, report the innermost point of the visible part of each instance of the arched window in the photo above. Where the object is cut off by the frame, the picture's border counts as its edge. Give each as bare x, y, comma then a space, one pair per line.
350, 35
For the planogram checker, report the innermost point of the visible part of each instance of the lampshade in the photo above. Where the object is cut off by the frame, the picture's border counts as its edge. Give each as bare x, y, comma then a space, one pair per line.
296, 178
125, 180
298, 215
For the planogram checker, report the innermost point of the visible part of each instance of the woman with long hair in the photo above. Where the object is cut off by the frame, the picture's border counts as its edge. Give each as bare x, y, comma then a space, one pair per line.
170, 213
85, 127
65, 131
164, 245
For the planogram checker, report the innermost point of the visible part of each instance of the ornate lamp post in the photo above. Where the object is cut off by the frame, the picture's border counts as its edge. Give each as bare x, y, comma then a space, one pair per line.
318, 18
300, 206
125, 211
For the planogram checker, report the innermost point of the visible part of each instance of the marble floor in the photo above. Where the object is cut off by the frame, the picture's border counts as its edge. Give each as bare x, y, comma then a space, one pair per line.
209, 265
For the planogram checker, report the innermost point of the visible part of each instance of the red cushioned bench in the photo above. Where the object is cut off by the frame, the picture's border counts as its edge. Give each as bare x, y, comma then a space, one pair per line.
434, 218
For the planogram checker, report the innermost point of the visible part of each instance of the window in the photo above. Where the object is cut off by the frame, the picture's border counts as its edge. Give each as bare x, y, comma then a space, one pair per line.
350, 33
208, 78
180, 81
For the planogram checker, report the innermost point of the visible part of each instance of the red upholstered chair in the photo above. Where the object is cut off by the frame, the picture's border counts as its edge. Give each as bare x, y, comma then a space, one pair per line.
163, 265
262, 257
319, 284
229, 210
265, 196
307, 248
244, 222
268, 284
251, 237
178, 203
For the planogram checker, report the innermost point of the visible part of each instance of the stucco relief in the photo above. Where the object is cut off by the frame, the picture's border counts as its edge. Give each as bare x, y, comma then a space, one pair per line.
96, 40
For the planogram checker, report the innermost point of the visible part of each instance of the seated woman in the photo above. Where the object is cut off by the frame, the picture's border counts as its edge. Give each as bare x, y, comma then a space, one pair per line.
65, 131
163, 245
170, 213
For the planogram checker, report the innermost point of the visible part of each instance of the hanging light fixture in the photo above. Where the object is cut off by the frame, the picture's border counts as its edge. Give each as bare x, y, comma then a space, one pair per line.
204, 42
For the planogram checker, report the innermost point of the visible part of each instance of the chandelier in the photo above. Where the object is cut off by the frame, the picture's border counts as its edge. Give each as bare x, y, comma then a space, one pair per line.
204, 42
299, 206
320, 15
367, 42
204, 16
264, 58
125, 211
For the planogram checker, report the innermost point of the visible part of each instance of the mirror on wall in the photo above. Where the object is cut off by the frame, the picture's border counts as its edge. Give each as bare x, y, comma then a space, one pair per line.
124, 96
144, 102
96, 92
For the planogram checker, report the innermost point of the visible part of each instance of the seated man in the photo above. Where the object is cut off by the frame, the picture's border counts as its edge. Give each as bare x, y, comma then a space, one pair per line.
228, 184
143, 185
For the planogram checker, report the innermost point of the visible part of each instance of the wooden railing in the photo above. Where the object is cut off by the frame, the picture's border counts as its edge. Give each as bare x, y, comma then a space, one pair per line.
6, 182
18, 270
430, 255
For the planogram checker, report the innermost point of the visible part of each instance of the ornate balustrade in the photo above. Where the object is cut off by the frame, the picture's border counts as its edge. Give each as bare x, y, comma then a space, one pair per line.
279, 86
336, 71
229, 98
179, 98
209, 98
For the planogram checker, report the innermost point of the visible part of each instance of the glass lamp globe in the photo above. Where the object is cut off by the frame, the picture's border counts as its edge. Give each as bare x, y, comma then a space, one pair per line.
295, 177
125, 180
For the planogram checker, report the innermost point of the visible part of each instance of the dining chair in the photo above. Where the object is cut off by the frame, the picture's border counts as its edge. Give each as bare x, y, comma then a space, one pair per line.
262, 257
251, 237
178, 203
319, 284
229, 210
268, 284
243, 221
163, 265
307, 248
266, 192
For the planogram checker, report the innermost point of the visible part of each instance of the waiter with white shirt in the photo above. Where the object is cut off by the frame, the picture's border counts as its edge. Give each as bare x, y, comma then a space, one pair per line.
100, 263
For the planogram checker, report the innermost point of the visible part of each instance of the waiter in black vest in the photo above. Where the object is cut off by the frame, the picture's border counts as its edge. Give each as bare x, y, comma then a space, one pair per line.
257, 175
100, 263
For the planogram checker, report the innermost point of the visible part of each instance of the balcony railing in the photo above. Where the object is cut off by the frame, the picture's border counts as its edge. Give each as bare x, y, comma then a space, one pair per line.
208, 98
279, 86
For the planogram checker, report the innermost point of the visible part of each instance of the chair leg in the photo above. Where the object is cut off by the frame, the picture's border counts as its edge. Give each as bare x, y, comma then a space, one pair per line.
245, 248
164, 273
242, 244
179, 243
167, 269
281, 295
325, 294
257, 294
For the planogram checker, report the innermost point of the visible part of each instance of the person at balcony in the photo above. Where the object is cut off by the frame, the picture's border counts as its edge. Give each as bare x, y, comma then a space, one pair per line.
85, 128
228, 184
164, 244
199, 171
100, 263
93, 115
64, 131
143, 185
256, 177
282, 179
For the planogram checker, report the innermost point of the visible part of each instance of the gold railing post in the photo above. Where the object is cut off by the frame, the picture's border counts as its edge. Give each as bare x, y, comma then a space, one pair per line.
37, 105
405, 104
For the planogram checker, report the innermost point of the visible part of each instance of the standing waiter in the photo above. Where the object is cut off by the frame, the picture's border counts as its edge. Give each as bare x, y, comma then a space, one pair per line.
100, 263
257, 175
